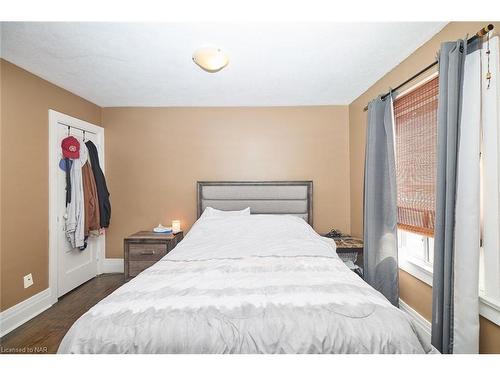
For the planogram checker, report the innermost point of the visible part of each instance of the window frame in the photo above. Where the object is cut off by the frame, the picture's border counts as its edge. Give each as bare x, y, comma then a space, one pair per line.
416, 266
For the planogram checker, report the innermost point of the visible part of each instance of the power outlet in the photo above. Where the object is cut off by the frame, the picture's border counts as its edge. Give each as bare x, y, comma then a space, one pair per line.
28, 280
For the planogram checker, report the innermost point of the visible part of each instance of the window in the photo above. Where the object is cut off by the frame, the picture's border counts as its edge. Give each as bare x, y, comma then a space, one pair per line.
415, 119
416, 247
416, 254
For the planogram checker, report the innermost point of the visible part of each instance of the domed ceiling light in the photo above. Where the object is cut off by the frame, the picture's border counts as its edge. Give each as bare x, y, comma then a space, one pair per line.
210, 59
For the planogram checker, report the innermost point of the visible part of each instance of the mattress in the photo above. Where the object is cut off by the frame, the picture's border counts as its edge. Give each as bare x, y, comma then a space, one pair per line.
246, 284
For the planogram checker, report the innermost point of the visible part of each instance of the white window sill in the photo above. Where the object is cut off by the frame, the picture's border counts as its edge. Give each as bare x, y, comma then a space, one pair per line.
489, 307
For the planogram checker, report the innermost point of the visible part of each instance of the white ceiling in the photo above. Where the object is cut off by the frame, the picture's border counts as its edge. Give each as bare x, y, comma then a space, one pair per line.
271, 64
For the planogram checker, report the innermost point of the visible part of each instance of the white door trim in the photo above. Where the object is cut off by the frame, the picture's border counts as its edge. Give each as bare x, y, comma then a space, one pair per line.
55, 119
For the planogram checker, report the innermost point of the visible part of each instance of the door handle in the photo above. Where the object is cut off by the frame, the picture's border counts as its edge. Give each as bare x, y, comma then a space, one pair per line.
148, 252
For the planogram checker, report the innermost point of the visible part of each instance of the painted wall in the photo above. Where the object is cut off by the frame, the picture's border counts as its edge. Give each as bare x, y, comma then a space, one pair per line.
154, 156
417, 294
25, 102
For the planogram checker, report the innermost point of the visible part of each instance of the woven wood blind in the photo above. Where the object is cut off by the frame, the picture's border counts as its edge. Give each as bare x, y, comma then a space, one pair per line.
416, 141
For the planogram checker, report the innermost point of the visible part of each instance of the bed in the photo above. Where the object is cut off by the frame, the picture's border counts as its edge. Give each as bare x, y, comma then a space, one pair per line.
241, 283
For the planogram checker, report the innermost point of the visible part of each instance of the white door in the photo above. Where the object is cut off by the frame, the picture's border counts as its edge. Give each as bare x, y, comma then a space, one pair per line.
74, 266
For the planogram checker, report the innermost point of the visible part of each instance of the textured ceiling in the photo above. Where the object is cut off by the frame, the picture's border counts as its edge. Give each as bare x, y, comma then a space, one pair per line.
271, 64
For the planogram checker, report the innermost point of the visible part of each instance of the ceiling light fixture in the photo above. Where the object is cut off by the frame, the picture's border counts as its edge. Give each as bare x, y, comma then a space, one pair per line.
210, 59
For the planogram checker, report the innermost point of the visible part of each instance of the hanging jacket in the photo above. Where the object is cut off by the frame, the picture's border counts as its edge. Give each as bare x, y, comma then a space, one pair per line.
91, 201
75, 210
100, 182
67, 172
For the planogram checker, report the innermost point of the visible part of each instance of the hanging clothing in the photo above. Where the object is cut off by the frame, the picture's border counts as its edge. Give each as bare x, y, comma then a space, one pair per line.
91, 200
102, 189
380, 202
75, 210
67, 171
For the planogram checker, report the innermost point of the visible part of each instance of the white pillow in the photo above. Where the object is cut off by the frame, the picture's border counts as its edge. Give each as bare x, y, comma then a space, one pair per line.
212, 212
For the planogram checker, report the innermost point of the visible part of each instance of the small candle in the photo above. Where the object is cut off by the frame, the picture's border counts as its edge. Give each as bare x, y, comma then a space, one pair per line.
176, 226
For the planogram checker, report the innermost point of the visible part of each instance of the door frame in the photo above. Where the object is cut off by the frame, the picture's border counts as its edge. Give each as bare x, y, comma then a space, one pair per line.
57, 119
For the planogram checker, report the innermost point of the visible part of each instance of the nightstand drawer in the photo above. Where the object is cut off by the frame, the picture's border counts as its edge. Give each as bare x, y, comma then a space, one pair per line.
147, 251
137, 266
143, 249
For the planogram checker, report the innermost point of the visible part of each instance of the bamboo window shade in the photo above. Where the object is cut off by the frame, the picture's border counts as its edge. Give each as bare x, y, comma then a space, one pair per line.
415, 116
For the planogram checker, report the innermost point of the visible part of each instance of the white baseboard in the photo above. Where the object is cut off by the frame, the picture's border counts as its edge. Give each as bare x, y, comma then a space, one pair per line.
112, 265
422, 324
19, 314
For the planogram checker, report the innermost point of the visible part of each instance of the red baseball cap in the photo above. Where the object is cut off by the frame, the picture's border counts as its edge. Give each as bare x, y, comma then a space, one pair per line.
70, 147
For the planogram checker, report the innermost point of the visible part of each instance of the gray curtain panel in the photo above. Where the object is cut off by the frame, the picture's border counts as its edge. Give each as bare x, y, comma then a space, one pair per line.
451, 67
380, 207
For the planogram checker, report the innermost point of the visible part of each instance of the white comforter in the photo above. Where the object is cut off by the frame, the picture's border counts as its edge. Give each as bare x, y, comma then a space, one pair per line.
247, 284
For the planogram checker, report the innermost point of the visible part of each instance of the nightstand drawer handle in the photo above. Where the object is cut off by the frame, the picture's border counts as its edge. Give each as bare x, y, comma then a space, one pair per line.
148, 252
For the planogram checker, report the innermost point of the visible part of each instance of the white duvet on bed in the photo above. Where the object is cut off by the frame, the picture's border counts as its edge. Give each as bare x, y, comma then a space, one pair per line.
247, 284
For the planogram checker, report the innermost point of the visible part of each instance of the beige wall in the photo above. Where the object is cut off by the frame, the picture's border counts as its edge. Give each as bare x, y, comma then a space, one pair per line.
25, 102
489, 337
154, 156
416, 293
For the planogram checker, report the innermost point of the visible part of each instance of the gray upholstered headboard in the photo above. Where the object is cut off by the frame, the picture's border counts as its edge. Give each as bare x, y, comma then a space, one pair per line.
263, 197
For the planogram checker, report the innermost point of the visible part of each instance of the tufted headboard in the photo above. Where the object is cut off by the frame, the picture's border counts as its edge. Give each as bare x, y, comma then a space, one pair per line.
263, 197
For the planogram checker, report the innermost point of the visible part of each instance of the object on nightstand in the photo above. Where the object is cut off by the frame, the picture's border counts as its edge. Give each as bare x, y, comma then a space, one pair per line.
161, 229
335, 233
349, 260
349, 249
176, 226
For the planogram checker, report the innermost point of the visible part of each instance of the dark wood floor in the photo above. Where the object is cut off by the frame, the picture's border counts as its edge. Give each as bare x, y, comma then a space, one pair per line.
44, 333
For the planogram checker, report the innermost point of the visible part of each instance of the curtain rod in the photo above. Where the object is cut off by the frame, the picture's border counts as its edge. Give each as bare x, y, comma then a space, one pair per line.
485, 30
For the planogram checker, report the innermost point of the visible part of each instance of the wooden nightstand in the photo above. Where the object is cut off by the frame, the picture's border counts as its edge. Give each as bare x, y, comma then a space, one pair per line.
143, 249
